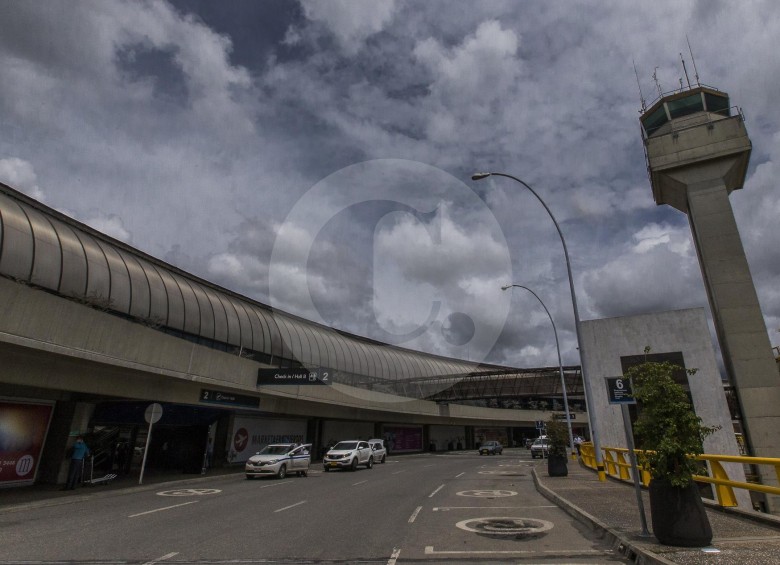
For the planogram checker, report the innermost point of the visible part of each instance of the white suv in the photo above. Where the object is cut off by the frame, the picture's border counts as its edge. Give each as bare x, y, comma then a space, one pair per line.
348, 455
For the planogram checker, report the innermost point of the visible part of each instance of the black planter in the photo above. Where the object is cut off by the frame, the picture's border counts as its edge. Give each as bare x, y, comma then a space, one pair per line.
678, 515
557, 466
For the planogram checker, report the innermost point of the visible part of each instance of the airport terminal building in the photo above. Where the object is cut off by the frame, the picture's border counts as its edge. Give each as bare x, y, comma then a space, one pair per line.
93, 331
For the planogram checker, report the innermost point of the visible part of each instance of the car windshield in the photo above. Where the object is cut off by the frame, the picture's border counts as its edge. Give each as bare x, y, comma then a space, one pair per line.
275, 450
345, 445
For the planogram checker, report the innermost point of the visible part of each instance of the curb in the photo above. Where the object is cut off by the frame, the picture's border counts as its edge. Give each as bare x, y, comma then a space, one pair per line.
626, 548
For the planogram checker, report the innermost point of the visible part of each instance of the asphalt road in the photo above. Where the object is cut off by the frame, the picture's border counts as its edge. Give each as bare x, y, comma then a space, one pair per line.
434, 508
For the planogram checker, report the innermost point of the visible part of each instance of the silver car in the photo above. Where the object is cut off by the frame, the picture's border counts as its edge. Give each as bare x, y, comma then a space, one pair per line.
348, 455
378, 447
279, 460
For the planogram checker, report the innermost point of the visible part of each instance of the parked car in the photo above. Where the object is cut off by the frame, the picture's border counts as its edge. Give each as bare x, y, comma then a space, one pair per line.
491, 448
540, 448
278, 460
378, 448
348, 455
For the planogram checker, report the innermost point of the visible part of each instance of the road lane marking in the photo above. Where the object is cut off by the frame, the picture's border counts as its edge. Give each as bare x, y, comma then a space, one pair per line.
414, 514
437, 490
161, 509
164, 557
547, 552
448, 508
463, 473
431, 465
394, 556
360, 483
397, 472
291, 506
275, 484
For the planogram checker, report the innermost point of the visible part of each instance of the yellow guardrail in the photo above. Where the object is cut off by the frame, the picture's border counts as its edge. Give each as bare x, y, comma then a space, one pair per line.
618, 465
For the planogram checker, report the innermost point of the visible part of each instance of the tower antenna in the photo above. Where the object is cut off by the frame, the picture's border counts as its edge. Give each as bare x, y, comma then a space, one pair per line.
686, 71
641, 96
696, 72
657, 84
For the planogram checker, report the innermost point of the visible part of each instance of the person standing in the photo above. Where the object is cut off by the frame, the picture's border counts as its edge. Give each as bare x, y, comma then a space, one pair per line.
78, 456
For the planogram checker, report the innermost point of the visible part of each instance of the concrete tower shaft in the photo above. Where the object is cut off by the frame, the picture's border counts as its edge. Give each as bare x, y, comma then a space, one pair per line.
697, 153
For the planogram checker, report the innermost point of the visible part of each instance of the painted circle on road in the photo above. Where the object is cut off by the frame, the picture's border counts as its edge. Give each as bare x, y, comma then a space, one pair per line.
189, 492
503, 526
487, 493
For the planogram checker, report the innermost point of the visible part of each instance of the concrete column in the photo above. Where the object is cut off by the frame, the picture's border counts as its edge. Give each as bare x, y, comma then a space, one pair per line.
739, 323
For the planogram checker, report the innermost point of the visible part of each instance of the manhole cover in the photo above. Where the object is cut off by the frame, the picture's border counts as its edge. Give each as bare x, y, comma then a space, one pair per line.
487, 493
503, 526
189, 492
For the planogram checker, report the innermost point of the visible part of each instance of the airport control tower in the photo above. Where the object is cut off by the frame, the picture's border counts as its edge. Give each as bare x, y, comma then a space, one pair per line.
697, 151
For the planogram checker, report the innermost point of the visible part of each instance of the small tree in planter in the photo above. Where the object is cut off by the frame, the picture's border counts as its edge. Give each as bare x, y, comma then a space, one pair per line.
557, 439
671, 434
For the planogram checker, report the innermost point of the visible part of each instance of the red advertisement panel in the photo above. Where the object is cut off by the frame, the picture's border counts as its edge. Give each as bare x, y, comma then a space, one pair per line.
400, 439
23, 428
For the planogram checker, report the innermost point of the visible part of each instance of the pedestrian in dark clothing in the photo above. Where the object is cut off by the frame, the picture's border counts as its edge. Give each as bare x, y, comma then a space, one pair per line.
78, 456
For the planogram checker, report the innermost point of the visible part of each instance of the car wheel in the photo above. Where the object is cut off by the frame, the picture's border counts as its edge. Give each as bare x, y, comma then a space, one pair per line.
249, 477
354, 464
370, 462
282, 472
327, 469
384, 458
304, 473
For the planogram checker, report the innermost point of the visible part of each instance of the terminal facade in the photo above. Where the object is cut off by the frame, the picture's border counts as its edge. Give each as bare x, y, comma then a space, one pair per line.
92, 331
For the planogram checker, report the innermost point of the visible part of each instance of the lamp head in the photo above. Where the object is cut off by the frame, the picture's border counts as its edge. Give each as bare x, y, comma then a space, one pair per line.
480, 176
506, 286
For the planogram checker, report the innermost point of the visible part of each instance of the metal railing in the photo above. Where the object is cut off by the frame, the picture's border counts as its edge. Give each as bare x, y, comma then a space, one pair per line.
618, 466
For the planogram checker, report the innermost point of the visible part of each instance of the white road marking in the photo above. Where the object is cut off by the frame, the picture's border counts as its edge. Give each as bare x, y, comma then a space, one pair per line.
360, 483
430, 551
448, 508
431, 465
437, 490
463, 473
161, 509
163, 558
414, 514
394, 556
291, 506
397, 472
275, 484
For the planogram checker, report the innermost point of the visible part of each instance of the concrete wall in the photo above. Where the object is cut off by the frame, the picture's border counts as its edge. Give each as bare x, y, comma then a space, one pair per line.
686, 331
52, 344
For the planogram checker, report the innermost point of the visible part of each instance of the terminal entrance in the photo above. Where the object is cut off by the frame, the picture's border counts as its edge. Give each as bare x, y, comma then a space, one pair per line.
181, 441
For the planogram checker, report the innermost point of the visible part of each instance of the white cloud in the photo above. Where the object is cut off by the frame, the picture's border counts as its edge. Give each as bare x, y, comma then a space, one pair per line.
19, 174
350, 21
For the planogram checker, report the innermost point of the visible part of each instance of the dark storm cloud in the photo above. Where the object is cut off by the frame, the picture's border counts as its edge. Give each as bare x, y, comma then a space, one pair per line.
192, 130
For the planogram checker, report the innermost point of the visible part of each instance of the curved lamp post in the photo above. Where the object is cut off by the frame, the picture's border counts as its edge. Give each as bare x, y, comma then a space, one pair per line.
585, 381
560, 365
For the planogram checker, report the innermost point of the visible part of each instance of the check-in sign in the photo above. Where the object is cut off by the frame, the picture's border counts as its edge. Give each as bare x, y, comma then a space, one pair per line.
619, 391
299, 376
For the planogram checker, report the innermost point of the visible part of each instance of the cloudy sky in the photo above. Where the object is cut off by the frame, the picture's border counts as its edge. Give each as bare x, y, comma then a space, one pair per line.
316, 155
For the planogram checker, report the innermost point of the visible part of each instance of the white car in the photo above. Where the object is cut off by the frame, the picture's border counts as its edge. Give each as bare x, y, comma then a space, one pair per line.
348, 455
278, 460
378, 447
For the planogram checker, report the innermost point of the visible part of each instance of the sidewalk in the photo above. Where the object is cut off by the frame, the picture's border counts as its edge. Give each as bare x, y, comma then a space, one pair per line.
50, 495
611, 508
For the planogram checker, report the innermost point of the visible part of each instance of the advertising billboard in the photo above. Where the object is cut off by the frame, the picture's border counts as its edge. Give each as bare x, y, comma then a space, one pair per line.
250, 435
23, 428
403, 439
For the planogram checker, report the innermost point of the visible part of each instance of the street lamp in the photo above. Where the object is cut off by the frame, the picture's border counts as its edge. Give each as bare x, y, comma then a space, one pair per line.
560, 365
585, 381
